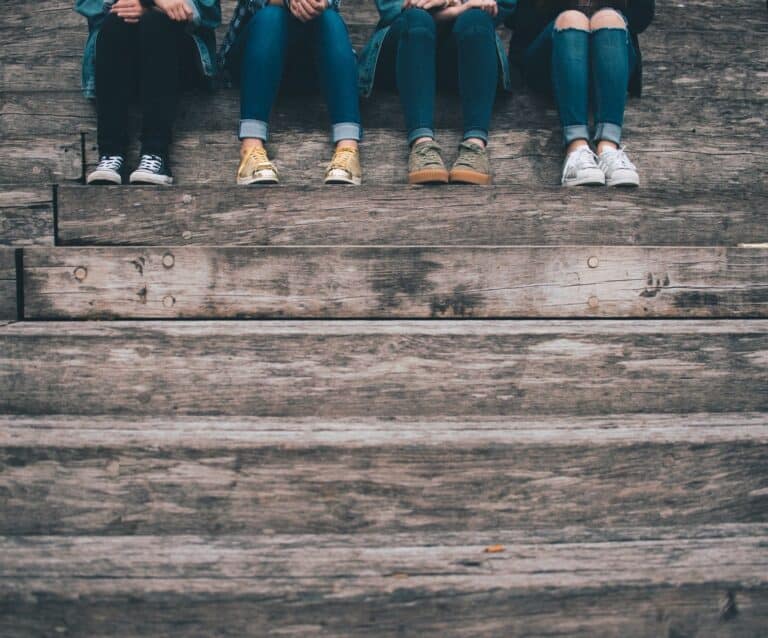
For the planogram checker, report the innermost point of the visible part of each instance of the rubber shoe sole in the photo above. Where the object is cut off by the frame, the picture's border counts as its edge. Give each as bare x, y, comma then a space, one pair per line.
591, 177
256, 181
429, 176
104, 178
346, 181
465, 176
624, 179
150, 179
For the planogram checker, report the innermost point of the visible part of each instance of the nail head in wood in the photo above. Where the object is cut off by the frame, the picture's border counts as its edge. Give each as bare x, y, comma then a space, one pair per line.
81, 273
593, 262
593, 302
169, 301
168, 260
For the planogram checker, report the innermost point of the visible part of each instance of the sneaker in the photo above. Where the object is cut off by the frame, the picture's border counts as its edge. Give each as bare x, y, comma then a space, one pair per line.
471, 166
153, 169
108, 171
256, 168
344, 167
425, 164
581, 169
618, 169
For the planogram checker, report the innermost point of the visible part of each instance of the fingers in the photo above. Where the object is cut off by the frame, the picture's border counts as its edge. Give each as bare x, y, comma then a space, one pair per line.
306, 10
427, 4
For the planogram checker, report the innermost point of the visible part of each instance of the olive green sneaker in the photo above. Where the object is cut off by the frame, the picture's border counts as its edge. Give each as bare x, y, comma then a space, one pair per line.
425, 164
472, 166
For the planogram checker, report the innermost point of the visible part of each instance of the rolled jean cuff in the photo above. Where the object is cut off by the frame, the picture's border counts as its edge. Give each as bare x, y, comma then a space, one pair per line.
257, 129
346, 131
420, 132
479, 133
608, 132
575, 132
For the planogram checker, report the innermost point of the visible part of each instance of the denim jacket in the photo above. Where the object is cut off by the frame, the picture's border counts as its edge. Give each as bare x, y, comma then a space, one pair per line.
207, 16
530, 20
388, 11
242, 15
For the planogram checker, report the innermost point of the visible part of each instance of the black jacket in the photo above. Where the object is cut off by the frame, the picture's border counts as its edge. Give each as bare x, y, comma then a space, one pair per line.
529, 20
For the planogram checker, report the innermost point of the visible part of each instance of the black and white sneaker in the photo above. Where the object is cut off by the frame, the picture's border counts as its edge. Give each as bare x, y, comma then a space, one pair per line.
153, 169
108, 171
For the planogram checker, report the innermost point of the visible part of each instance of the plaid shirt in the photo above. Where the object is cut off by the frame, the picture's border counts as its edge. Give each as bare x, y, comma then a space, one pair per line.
243, 13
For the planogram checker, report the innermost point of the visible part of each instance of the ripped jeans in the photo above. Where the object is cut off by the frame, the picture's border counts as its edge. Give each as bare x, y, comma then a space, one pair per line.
578, 67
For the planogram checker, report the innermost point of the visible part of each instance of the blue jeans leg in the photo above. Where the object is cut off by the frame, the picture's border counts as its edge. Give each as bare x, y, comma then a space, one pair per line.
337, 69
478, 63
612, 62
570, 81
262, 69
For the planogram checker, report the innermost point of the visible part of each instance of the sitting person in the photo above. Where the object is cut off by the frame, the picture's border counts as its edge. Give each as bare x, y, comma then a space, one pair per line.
420, 43
585, 51
157, 47
310, 39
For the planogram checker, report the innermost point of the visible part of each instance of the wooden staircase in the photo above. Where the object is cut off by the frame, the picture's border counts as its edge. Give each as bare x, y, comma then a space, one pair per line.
388, 411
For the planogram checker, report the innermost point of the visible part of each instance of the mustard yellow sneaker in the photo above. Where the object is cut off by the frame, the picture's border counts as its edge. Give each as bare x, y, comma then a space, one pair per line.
344, 167
256, 168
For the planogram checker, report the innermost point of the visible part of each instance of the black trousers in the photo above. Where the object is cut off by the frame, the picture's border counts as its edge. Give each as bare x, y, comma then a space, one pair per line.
155, 59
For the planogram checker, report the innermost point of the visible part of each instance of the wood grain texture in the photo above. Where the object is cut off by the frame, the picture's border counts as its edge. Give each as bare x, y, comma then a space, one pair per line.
26, 216
634, 583
416, 368
8, 309
407, 282
97, 475
41, 161
380, 215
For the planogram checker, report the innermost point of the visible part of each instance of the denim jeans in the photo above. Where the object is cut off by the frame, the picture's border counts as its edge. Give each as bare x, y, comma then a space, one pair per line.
319, 51
580, 67
419, 54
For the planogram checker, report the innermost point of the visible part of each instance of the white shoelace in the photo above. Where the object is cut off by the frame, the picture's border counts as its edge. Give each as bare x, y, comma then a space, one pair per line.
110, 163
150, 163
618, 159
583, 157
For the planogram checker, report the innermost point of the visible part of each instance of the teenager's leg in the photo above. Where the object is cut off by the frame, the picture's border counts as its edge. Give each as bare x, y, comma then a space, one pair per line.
116, 63
478, 71
262, 69
337, 70
570, 75
611, 68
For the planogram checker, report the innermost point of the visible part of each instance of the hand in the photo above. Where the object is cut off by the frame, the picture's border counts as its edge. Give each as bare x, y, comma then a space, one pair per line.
451, 13
306, 10
427, 5
128, 10
177, 10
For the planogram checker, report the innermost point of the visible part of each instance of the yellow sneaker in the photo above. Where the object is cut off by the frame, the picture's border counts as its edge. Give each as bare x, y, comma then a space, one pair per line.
255, 168
344, 167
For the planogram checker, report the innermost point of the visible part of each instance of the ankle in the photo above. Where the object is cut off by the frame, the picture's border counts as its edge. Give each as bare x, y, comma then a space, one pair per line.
575, 146
351, 144
421, 140
605, 145
477, 141
249, 144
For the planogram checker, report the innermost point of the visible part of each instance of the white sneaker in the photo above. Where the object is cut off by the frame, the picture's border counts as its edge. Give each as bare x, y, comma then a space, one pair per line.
108, 171
618, 169
581, 169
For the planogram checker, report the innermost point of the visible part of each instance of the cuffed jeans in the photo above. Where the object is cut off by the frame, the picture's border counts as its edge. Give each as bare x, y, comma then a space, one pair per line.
417, 54
579, 66
321, 44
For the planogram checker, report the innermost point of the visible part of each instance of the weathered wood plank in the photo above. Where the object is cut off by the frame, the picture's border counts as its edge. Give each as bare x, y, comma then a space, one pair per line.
26, 216
8, 307
170, 476
41, 161
576, 584
415, 368
409, 216
407, 282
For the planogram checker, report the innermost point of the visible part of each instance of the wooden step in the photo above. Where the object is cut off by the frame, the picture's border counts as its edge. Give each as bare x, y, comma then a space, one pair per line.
26, 215
103, 475
8, 288
409, 216
384, 368
405, 282
704, 581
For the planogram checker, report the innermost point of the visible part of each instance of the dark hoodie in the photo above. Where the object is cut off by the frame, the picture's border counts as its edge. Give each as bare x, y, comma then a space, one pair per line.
532, 16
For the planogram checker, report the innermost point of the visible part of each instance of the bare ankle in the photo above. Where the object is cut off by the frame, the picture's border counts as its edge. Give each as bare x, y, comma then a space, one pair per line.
576, 144
250, 143
353, 144
605, 145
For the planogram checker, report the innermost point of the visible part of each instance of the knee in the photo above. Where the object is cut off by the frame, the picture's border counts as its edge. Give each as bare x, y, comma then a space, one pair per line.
607, 19
572, 20
473, 22
330, 23
266, 24
155, 22
418, 21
